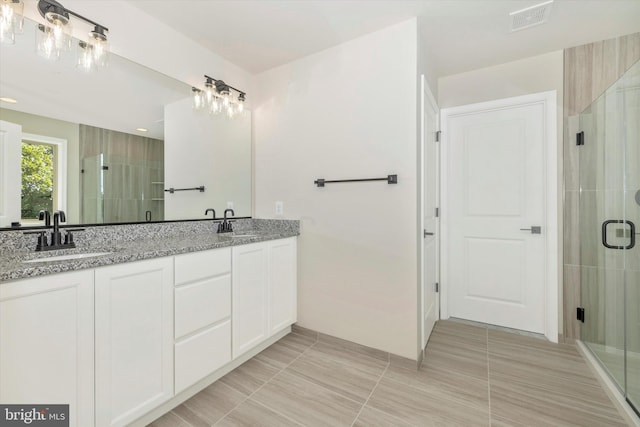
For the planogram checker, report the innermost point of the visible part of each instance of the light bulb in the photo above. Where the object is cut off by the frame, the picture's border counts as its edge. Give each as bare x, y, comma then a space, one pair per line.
11, 20
198, 99
214, 107
45, 43
85, 56
61, 28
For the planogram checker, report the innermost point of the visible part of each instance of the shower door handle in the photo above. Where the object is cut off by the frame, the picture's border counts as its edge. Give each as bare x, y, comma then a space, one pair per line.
632, 233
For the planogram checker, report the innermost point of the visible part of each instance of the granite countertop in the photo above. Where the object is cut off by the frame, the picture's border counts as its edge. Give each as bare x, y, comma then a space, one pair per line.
13, 266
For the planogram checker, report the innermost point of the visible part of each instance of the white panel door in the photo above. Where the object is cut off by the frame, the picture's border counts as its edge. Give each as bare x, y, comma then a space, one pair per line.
10, 172
495, 195
134, 339
430, 232
46, 343
282, 284
249, 305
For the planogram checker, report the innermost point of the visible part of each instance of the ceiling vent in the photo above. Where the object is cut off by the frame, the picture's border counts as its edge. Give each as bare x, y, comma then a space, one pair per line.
530, 16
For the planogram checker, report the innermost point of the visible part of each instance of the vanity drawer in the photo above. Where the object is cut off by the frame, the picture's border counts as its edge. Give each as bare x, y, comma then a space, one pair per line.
200, 355
201, 304
200, 265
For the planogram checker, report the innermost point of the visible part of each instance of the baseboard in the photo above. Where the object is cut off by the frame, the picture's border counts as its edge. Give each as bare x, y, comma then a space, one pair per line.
608, 385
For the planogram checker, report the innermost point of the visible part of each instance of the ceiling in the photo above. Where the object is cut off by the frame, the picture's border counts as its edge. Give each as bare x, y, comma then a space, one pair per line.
461, 35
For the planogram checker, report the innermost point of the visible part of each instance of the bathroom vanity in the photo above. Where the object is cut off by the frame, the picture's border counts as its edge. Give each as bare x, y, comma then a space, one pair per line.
127, 334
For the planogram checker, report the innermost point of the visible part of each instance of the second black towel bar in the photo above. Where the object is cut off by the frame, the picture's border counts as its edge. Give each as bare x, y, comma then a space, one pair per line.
173, 190
391, 179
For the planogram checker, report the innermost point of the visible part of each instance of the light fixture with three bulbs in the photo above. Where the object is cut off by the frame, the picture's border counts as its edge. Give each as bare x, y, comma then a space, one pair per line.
54, 37
218, 97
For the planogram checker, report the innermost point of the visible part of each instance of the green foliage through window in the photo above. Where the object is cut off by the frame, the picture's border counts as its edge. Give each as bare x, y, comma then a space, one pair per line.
37, 179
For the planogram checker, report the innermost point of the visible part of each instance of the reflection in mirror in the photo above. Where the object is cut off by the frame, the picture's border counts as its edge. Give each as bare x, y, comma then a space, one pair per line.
115, 118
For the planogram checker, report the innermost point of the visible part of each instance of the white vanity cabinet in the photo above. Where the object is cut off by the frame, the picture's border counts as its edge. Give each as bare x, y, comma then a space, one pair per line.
202, 315
46, 343
263, 291
283, 284
133, 339
119, 343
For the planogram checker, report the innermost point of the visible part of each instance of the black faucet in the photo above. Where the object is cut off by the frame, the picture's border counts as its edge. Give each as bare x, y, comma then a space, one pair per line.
56, 236
46, 216
225, 226
210, 210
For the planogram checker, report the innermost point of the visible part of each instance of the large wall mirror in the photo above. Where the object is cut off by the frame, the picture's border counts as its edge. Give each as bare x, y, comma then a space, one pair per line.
105, 145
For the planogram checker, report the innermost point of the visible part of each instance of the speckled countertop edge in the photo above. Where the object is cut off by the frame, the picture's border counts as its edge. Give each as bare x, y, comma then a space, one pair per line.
13, 267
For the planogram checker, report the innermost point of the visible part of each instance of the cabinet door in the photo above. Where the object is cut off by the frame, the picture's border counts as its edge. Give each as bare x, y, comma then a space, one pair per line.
46, 343
249, 296
134, 339
282, 284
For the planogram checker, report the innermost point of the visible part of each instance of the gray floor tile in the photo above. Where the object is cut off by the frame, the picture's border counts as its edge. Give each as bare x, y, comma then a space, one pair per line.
169, 420
307, 403
249, 376
470, 376
354, 381
423, 407
210, 405
253, 414
370, 417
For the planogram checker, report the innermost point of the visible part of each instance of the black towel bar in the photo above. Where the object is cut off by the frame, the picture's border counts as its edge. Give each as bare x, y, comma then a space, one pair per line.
173, 190
391, 179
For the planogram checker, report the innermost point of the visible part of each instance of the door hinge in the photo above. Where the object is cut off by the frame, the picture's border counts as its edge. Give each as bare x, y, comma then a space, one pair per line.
580, 138
580, 314
437, 212
437, 287
438, 135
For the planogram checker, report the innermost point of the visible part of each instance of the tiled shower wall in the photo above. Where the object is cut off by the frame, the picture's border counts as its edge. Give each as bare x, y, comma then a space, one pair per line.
588, 71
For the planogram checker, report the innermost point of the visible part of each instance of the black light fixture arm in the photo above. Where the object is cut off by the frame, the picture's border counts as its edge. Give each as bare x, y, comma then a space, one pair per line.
45, 6
227, 85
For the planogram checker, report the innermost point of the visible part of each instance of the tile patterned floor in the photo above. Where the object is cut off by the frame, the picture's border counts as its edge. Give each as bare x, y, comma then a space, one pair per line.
472, 376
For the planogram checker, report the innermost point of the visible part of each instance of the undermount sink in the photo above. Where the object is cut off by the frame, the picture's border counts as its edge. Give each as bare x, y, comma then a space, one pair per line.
67, 257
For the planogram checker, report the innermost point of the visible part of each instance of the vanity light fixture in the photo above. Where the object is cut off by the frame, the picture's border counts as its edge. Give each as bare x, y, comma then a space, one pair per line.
8, 100
55, 36
11, 20
142, 130
218, 97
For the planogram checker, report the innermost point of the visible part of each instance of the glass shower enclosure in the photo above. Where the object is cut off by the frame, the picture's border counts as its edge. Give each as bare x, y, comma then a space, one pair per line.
609, 226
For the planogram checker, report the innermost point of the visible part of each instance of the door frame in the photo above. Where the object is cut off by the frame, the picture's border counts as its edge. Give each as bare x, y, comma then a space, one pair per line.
552, 240
425, 96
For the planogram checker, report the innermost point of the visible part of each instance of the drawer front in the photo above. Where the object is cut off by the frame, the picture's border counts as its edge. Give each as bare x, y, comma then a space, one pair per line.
201, 304
200, 265
200, 355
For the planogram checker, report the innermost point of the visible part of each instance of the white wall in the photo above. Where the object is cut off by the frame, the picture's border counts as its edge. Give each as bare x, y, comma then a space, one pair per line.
347, 112
536, 74
213, 151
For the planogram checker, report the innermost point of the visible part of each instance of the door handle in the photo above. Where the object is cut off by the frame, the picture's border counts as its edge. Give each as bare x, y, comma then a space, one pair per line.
535, 229
427, 233
632, 227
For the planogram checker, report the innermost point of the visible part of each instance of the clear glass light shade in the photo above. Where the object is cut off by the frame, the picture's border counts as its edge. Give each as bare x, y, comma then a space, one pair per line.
198, 99
52, 40
11, 20
215, 106
92, 54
